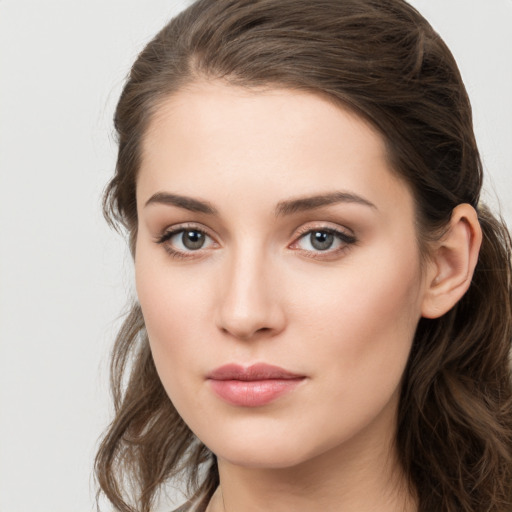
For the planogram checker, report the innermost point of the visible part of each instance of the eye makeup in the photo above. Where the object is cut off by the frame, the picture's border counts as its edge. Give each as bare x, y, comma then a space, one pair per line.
330, 243
317, 242
191, 237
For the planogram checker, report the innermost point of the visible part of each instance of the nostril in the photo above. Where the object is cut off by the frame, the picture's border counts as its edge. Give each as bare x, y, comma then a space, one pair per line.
247, 334
245, 308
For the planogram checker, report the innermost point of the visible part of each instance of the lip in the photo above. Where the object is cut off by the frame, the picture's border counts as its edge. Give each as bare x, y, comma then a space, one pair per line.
252, 386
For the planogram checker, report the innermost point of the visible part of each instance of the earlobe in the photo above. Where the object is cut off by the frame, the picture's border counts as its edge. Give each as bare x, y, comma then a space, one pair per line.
453, 261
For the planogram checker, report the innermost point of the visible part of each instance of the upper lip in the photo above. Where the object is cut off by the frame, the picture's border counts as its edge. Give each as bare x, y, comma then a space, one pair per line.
259, 371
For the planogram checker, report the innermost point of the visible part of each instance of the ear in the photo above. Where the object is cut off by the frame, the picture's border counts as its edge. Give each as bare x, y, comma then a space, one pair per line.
452, 262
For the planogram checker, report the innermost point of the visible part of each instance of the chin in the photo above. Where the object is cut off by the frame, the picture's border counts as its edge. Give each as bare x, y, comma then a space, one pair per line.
264, 449
262, 457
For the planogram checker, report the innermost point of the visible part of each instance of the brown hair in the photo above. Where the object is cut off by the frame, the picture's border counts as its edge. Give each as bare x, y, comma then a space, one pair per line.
384, 61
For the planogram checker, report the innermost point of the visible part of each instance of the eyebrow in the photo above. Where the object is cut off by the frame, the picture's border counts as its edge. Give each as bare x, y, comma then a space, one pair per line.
283, 208
301, 204
188, 203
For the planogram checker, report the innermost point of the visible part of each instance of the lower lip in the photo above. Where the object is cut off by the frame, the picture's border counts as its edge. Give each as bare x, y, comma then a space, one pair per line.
253, 393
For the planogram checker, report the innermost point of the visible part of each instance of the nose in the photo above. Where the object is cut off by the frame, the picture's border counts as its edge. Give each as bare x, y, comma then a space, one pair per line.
250, 303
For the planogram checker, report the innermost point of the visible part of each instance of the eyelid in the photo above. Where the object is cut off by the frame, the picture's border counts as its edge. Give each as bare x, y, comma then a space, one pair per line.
164, 237
323, 226
344, 235
336, 229
176, 228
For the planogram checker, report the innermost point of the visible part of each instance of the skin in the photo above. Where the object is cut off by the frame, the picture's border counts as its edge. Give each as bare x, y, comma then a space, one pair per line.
259, 291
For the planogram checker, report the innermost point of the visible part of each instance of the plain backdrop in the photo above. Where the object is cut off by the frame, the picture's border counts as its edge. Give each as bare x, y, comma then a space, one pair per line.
64, 276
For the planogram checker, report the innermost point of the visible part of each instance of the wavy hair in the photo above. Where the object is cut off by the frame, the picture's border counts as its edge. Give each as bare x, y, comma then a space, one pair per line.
383, 60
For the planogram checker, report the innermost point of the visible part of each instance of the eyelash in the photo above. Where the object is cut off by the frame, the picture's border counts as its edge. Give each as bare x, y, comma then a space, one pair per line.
346, 239
172, 232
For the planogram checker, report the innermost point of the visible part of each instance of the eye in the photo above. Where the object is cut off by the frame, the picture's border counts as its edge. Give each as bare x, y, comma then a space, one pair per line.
183, 241
327, 240
189, 239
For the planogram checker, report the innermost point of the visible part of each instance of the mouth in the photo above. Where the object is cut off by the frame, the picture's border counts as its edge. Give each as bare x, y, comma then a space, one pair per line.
252, 386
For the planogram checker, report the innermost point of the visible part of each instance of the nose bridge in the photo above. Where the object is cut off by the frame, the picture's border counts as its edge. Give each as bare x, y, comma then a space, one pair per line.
249, 302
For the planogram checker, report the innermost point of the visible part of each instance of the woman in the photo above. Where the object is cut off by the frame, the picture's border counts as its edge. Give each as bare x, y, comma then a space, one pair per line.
324, 305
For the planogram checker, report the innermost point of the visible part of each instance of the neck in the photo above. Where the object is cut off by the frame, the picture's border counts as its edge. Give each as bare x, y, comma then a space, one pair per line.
362, 475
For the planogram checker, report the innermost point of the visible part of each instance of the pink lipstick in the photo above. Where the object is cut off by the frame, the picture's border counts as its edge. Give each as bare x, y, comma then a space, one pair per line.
252, 386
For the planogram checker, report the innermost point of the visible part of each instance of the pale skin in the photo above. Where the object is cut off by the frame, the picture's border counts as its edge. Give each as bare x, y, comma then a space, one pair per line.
260, 288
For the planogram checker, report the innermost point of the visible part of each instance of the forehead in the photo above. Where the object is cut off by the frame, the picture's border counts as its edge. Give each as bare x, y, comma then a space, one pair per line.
219, 114
216, 138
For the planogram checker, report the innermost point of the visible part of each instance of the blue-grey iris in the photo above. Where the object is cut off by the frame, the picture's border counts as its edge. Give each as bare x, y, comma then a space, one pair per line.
193, 239
321, 240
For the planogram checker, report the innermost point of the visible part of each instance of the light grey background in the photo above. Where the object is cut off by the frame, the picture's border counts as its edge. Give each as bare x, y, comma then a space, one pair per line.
64, 277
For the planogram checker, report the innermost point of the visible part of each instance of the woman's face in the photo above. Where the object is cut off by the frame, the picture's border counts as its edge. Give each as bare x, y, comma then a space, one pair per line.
272, 231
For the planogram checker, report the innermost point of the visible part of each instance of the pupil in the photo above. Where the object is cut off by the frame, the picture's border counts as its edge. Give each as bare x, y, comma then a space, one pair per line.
193, 239
321, 240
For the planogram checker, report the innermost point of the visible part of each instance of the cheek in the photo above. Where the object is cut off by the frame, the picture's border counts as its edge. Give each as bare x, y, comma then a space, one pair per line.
364, 317
170, 306
356, 333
